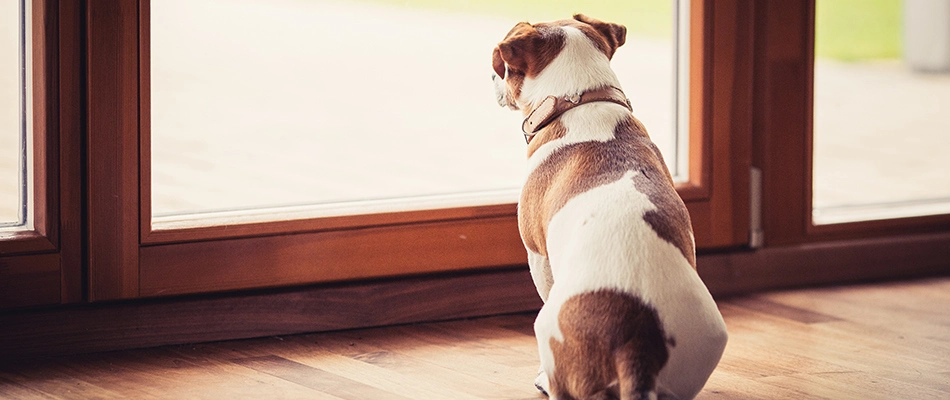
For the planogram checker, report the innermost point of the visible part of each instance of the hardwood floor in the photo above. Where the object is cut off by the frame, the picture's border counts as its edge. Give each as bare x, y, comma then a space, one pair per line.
879, 341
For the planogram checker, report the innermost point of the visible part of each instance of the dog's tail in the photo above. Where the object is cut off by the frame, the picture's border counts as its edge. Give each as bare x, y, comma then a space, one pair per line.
633, 383
614, 347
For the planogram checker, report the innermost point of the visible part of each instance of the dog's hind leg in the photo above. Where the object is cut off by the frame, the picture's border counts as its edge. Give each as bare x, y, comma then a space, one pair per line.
541, 274
543, 280
541, 382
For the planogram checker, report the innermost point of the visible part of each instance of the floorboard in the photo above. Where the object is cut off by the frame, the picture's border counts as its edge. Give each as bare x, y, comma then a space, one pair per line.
876, 341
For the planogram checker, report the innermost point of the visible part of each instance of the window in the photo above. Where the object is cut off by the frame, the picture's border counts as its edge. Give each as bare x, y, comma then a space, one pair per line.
40, 251
130, 257
13, 112
322, 104
804, 151
93, 174
882, 83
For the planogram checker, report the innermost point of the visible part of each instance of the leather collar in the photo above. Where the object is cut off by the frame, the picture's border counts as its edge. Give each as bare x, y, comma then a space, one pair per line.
552, 107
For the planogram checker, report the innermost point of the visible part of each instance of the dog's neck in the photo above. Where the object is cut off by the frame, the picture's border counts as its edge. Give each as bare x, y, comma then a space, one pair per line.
552, 107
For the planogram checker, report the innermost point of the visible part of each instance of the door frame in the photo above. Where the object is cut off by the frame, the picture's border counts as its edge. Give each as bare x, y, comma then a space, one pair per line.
129, 259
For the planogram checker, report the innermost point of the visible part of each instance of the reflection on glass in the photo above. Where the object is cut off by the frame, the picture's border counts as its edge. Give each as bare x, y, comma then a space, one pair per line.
881, 128
11, 134
289, 102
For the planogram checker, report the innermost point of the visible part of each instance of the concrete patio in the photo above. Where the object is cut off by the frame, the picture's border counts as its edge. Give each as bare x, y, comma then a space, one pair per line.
262, 104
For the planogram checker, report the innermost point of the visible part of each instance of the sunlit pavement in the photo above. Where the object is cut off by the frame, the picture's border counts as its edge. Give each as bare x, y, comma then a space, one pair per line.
286, 102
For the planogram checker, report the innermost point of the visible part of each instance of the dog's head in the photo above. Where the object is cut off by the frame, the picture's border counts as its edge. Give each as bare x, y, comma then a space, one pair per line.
554, 59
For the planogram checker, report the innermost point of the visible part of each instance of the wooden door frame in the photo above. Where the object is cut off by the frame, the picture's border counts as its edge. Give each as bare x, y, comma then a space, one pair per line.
112, 148
790, 258
43, 265
128, 259
729, 104
720, 135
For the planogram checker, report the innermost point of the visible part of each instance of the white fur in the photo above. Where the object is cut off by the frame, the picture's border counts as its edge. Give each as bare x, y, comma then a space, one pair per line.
599, 240
501, 90
580, 66
595, 121
540, 273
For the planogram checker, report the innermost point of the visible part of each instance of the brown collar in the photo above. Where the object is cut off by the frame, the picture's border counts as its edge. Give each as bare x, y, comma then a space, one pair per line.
552, 107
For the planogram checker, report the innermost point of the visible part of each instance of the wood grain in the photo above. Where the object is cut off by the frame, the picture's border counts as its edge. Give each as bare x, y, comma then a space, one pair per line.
131, 324
315, 378
69, 126
731, 122
43, 266
30, 280
329, 256
720, 138
783, 90
880, 341
322, 308
237, 225
826, 263
700, 86
144, 31
113, 149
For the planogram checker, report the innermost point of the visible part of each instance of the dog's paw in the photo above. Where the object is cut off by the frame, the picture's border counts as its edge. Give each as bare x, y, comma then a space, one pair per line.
541, 382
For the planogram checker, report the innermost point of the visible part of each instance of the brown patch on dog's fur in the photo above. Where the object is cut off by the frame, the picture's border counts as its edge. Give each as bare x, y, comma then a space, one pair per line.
667, 220
609, 337
528, 49
579, 167
553, 131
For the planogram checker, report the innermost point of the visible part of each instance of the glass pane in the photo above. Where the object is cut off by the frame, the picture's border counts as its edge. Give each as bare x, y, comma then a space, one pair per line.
291, 102
12, 173
882, 88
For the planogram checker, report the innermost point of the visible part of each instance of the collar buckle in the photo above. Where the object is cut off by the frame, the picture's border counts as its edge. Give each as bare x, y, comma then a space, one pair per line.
552, 107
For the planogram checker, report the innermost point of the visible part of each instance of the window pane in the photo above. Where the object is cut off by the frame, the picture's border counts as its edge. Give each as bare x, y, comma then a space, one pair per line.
291, 102
882, 88
11, 132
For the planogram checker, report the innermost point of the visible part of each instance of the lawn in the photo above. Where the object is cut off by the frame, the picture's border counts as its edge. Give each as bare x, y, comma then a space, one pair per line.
846, 29
644, 17
858, 29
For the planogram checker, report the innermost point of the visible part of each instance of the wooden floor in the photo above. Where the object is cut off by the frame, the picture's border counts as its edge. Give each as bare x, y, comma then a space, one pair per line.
881, 341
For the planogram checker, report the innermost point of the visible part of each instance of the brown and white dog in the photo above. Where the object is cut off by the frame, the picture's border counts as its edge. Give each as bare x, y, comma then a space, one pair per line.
609, 242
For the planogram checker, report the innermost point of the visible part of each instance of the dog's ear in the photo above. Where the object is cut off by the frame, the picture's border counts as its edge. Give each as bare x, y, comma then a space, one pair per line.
497, 63
515, 49
615, 34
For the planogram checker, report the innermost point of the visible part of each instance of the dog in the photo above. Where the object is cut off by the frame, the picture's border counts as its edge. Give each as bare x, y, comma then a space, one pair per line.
610, 245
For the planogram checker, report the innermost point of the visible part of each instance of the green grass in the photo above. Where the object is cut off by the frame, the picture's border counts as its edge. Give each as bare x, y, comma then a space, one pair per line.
644, 17
854, 30
846, 29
